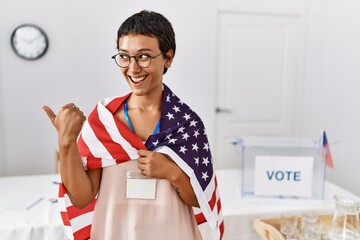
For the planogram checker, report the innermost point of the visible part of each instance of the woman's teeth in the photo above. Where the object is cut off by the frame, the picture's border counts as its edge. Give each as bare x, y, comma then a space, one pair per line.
137, 79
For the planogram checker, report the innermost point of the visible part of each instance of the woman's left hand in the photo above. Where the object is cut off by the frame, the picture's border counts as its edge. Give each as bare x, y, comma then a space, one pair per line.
157, 165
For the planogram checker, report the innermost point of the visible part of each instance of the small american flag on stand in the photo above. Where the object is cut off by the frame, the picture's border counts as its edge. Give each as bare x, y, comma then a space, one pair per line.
325, 145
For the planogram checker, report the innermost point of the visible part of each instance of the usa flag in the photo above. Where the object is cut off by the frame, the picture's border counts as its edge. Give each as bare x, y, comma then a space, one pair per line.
328, 156
105, 141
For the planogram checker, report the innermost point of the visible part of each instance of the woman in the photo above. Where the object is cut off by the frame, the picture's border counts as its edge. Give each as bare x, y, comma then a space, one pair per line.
161, 166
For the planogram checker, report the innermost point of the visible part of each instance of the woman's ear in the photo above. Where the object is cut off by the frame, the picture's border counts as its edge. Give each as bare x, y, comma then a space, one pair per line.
169, 57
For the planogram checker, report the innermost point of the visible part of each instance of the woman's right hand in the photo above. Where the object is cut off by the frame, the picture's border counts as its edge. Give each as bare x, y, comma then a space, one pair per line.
68, 122
81, 186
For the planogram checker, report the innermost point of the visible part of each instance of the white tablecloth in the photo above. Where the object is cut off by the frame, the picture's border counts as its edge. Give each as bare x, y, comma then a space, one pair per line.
21, 220
26, 210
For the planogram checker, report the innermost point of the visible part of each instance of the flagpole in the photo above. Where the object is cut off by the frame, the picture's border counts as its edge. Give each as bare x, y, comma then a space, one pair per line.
322, 138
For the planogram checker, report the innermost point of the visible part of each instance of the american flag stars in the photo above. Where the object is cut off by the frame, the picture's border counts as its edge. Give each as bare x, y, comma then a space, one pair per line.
196, 133
183, 132
206, 146
195, 147
185, 136
183, 149
181, 129
176, 109
193, 123
168, 98
156, 142
170, 116
204, 175
186, 116
205, 161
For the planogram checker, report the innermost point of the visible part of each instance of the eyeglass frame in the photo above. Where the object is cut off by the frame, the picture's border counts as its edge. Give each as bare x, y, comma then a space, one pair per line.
136, 60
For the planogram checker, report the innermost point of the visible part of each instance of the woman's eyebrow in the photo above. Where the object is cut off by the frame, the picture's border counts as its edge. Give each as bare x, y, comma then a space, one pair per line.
145, 49
139, 50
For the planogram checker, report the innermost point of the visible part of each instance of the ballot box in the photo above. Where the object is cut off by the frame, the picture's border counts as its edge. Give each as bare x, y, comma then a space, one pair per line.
281, 168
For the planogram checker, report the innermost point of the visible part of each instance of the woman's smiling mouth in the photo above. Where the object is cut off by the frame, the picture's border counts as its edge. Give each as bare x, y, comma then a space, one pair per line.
137, 80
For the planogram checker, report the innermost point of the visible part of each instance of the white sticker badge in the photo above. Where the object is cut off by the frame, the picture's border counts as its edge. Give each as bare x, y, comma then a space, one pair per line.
139, 186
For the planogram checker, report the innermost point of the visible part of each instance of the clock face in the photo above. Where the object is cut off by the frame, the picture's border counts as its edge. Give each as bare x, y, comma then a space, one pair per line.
29, 42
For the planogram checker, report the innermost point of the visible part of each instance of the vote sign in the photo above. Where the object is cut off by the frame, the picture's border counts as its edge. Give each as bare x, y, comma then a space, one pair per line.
283, 176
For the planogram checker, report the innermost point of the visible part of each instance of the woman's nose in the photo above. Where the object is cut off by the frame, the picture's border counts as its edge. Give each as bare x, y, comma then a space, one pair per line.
133, 65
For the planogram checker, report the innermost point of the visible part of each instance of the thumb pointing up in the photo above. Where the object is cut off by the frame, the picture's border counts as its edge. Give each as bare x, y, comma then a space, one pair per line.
50, 114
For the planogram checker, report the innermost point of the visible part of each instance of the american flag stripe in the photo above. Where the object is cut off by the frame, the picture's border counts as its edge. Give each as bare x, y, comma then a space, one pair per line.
105, 141
65, 218
113, 130
200, 218
92, 142
74, 211
128, 138
115, 150
213, 200
218, 205
89, 161
69, 232
221, 230
83, 233
61, 204
98, 148
81, 220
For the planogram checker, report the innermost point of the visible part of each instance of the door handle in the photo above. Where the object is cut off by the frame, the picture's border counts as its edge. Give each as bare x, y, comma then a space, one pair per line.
222, 110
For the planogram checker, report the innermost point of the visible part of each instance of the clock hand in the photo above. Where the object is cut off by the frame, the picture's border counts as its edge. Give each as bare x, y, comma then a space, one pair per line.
33, 39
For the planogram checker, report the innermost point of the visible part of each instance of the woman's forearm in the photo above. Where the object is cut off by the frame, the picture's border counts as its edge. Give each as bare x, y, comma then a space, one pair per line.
82, 186
181, 183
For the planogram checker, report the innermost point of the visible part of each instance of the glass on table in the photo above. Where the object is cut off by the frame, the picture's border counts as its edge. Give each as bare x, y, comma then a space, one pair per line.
288, 224
311, 227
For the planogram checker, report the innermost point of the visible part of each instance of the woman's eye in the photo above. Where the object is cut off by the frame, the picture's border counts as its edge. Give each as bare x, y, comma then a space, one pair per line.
143, 56
123, 56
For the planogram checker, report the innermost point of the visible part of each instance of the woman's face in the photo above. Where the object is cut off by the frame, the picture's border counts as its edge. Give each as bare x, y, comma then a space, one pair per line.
141, 80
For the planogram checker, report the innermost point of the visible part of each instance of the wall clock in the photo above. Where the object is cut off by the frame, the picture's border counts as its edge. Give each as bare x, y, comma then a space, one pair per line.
29, 41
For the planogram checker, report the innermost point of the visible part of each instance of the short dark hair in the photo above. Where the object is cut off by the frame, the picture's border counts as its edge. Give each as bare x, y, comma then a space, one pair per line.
150, 24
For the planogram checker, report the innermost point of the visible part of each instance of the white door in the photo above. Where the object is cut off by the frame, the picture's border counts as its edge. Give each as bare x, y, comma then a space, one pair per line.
259, 78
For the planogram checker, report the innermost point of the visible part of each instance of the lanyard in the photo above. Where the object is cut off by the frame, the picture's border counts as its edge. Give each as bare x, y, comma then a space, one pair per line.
129, 122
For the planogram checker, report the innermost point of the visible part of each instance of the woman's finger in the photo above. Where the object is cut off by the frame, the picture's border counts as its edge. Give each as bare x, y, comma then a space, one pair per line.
50, 113
143, 152
141, 160
69, 105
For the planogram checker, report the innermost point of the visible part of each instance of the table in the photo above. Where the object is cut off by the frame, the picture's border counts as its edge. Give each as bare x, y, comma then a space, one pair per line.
240, 213
27, 211
21, 219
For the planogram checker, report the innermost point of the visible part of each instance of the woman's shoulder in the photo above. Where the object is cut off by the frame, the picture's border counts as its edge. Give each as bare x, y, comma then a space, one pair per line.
112, 103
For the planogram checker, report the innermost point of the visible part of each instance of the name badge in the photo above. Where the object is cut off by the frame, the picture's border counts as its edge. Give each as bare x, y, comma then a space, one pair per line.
139, 186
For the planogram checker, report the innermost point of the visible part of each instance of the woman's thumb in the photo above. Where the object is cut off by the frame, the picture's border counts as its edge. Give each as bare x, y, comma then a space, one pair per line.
50, 113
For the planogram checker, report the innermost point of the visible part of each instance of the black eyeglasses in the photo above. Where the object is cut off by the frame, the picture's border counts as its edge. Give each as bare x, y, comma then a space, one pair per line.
142, 59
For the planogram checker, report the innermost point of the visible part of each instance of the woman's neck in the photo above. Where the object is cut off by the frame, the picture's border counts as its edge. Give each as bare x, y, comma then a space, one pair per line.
145, 103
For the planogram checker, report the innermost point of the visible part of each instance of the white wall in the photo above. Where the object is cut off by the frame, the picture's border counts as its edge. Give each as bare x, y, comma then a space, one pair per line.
332, 79
78, 68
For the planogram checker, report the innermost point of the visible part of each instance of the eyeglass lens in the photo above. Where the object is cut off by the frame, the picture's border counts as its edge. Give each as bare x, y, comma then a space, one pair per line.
143, 59
124, 60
